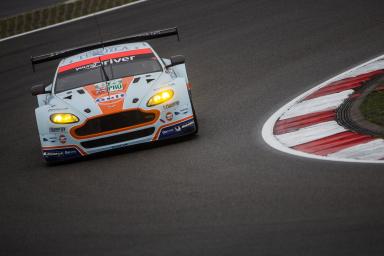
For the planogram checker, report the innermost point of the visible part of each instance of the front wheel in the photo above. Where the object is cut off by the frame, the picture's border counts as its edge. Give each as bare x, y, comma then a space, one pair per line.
194, 114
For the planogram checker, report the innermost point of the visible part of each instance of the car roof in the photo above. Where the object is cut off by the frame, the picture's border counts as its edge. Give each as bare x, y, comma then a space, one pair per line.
103, 51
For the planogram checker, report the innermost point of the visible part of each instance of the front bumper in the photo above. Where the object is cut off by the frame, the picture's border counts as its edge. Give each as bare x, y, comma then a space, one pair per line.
65, 146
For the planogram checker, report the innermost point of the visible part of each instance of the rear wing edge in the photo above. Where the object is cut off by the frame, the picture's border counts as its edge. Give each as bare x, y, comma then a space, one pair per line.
128, 39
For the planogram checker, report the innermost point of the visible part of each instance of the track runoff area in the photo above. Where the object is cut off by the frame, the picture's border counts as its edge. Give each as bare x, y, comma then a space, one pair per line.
326, 122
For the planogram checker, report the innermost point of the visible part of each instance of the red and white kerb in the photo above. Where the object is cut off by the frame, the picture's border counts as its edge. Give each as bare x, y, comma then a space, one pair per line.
309, 126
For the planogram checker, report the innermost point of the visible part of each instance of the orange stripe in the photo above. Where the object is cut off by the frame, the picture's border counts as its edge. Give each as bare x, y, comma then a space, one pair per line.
167, 125
78, 64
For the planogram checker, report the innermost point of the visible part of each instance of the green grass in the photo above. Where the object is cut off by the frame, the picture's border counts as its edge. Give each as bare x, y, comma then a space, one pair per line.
43, 17
373, 107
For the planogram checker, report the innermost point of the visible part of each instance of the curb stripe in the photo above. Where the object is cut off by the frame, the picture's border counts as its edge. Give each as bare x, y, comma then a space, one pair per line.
295, 123
311, 133
333, 143
364, 76
334, 89
325, 140
345, 84
373, 150
324, 103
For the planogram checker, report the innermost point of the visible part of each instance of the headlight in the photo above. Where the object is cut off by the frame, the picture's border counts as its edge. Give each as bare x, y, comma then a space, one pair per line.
64, 118
160, 97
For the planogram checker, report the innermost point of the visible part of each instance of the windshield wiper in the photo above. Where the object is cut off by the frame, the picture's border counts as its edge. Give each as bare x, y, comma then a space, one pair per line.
103, 69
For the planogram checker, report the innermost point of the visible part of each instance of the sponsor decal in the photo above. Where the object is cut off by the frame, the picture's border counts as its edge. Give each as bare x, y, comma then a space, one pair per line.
56, 129
100, 88
169, 116
88, 66
182, 111
50, 139
61, 154
109, 98
57, 109
187, 125
177, 129
62, 139
102, 51
116, 85
171, 105
110, 86
119, 60
105, 63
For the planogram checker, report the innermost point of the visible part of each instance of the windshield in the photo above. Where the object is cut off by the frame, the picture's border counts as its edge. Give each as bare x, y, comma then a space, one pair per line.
116, 66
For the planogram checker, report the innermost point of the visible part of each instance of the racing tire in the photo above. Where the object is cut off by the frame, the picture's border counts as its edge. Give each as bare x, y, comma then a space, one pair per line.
194, 114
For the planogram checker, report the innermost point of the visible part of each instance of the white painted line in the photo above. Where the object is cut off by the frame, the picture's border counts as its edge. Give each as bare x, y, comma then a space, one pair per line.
270, 138
73, 20
378, 64
310, 133
323, 103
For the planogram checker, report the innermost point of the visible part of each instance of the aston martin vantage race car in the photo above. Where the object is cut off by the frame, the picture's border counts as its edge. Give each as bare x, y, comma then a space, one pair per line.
110, 95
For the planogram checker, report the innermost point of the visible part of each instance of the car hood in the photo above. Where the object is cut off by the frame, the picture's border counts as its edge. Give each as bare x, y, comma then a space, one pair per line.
113, 96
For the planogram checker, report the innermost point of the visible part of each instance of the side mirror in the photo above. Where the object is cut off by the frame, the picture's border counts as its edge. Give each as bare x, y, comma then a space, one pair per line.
39, 89
176, 60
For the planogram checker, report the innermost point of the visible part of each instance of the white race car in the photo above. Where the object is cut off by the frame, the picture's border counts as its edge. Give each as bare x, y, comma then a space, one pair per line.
110, 95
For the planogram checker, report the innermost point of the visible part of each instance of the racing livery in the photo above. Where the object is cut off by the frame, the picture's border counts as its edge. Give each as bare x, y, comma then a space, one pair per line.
112, 96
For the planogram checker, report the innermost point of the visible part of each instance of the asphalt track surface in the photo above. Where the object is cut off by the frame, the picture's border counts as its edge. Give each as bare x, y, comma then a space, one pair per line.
224, 192
9, 7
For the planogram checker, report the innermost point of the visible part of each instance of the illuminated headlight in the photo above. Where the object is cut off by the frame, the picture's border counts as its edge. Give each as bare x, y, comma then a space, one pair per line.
64, 118
160, 97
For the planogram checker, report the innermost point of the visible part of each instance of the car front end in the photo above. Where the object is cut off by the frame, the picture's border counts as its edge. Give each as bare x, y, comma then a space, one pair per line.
119, 111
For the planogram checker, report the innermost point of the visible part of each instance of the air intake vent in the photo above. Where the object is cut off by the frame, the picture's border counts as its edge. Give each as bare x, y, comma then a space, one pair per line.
118, 138
121, 120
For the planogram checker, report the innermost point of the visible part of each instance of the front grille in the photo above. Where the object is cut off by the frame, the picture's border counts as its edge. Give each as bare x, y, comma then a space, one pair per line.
114, 122
118, 138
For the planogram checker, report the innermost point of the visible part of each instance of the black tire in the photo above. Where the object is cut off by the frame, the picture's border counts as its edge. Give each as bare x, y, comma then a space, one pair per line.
194, 113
